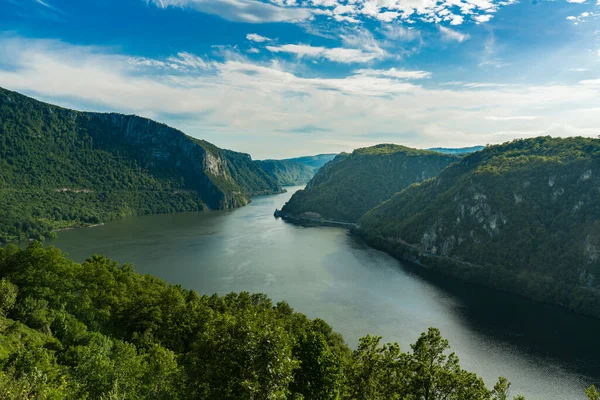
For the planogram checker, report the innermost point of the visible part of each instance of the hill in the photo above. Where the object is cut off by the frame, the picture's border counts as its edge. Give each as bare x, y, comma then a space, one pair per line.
314, 162
350, 185
461, 150
62, 168
523, 216
295, 171
99, 330
288, 173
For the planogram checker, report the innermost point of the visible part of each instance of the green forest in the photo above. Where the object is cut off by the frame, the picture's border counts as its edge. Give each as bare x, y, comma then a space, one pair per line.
99, 330
288, 173
61, 168
352, 184
523, 217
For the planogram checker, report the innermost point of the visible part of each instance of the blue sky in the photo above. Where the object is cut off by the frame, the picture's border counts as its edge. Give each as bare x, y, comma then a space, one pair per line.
279, 78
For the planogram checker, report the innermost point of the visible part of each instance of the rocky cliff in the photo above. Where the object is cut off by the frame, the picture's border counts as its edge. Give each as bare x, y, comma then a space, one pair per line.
111, 165
523, 216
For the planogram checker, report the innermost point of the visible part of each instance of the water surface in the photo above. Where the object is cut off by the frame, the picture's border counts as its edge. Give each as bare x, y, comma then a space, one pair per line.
324, 272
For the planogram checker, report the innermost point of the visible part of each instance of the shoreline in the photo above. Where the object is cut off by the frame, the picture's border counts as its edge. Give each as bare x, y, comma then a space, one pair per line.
498, 278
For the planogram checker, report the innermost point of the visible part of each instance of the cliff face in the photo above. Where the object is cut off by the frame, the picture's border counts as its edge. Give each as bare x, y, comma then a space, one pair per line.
203, 166
116, 164
525, 211
350, 185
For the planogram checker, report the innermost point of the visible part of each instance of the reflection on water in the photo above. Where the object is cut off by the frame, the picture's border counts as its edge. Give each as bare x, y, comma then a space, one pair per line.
326, 273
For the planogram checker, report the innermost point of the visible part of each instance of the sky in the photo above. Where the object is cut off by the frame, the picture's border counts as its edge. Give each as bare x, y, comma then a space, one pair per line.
283, 78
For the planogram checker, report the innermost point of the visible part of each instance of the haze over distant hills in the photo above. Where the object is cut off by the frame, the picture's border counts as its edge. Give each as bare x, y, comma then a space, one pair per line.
295, 171
461, 150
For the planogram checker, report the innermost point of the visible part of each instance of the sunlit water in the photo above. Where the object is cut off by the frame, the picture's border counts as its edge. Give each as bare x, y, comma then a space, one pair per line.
326, 273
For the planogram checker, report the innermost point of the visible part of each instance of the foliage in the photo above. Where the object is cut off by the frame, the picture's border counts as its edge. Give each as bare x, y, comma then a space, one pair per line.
98, 330
315, 162
352, 184
61, 168
522, 217
288, 173
461, 150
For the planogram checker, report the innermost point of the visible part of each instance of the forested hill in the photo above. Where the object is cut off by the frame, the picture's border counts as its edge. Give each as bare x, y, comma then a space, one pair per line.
350, 185
295, 171
60, 168
98, 330
288, 173
460, 150
314, 162
523, 216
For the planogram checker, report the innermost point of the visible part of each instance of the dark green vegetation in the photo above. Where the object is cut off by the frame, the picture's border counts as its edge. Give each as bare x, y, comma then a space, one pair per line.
352, 184
61, 168
462, 150
288, 173
97, 330
314, 162
295, 171
523, 217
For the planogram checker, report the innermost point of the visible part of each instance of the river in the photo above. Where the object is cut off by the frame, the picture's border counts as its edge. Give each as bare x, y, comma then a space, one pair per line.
325, 272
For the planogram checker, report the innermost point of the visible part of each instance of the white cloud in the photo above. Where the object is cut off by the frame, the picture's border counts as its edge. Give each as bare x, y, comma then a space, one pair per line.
254, 37
494, 63
576, 1
456, 12
578, 69
512, 118
483, 18
250, 11
336, 54
394, 73
449, 34
252, 104
591, 82
456, 20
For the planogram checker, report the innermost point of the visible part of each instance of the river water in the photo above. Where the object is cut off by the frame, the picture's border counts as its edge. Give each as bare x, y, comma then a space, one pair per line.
324, 272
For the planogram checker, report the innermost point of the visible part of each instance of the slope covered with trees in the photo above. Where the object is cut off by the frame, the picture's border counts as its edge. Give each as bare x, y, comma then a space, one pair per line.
61, 168
460, 150
288, 173
352, 184
315, 162
523, 216
295, 171
98, 330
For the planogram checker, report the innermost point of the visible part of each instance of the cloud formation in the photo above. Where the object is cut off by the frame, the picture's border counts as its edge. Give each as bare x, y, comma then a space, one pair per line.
250, 11
453, 12
254, 37
240, 104
450, 34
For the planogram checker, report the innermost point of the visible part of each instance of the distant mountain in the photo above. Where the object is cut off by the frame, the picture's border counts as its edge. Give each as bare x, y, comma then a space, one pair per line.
350, 185
462, 150
61, 168
288, 173
295, 171
315, 162
523, 216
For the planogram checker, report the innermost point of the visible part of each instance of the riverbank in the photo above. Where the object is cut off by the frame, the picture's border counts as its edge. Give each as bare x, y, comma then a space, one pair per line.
308, 221
536, 287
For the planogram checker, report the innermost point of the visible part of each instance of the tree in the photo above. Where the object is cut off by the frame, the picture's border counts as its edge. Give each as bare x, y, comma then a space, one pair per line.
8, 296
434, 375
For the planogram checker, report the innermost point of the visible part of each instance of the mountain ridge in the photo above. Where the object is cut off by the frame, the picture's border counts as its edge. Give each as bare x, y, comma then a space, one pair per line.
72, 168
